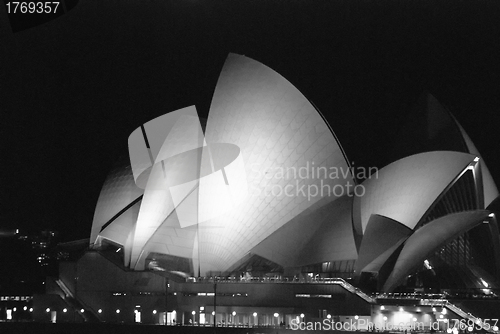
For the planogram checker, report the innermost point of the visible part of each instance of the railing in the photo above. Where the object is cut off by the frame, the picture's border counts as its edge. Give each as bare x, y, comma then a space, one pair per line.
432, 302
64, 288
413, 295
349, 287
447, 294
219, 279
77, 303
478, 321
454, 308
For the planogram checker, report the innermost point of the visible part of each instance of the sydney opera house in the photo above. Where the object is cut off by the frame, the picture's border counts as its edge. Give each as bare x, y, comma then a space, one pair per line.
255, 216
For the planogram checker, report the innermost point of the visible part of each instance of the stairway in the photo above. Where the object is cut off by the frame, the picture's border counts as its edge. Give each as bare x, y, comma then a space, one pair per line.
351, 288
486, 325
89, 315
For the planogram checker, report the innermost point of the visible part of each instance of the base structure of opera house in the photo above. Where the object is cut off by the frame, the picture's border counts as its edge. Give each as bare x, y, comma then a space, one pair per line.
256, 217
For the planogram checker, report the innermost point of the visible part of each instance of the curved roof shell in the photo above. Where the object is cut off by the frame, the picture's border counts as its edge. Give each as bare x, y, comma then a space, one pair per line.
287, 158
405, 189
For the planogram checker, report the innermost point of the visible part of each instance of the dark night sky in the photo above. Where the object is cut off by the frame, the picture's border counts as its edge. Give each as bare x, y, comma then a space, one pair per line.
74, 88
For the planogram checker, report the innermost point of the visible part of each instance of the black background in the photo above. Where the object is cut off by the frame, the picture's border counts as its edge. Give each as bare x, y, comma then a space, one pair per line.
74, 88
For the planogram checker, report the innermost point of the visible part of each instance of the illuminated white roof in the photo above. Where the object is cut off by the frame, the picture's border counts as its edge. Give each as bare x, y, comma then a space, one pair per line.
277, 129
118, 191
267, 177
319, 234
219, 192
405, 189
490, 191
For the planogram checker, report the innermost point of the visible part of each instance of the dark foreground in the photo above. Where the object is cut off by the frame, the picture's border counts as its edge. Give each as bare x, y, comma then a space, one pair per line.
84, 328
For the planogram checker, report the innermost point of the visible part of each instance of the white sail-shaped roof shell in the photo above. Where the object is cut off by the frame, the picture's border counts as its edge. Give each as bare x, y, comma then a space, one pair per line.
405, 189
277, 129
490, 190
286, 160
119, 191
